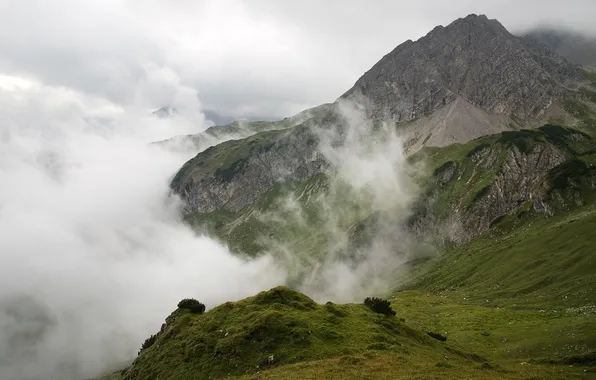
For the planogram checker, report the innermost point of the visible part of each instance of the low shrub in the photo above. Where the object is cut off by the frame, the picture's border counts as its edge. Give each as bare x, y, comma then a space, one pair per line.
379, 305
192, 305
148, 343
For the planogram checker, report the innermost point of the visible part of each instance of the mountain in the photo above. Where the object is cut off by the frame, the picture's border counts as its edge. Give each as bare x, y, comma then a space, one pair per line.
491, 77
457, 178
576, 47
499, 182
238, 130
457, 83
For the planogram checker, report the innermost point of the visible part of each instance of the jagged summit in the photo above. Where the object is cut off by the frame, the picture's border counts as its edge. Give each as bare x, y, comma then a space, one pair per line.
473, 58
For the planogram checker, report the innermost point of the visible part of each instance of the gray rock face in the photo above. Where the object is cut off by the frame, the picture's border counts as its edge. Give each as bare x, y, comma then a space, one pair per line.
519, 181
474, 58
524, 180
289, 156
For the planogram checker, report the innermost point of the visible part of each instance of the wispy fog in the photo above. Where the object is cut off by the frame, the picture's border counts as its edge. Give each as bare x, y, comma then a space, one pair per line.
93, 255
346, 236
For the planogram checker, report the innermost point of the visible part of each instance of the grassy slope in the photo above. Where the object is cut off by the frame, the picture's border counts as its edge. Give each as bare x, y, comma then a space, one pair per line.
311, 341
239, 337
532, 291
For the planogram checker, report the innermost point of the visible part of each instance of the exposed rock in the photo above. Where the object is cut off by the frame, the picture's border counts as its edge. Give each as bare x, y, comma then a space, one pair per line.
473, 58
525, 171
457, 122
280, 156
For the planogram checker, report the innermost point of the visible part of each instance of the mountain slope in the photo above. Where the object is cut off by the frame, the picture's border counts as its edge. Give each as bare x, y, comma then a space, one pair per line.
484, 230
282, 334
271, 329
458, 83
501, 179
240, 130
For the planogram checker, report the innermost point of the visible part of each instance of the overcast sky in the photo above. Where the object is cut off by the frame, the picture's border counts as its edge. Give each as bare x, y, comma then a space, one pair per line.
243, 58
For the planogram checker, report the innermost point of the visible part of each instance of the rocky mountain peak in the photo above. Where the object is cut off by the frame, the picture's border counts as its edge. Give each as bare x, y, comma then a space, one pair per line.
474, 58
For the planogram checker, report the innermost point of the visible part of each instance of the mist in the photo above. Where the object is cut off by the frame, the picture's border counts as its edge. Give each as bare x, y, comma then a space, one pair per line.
345, 236
93, 254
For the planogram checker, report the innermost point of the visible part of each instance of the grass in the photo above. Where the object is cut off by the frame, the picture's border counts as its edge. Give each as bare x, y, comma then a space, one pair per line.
228, 157
518, 302
282, 334
577, 109
272, 329
390, 366
591, 77
528, 295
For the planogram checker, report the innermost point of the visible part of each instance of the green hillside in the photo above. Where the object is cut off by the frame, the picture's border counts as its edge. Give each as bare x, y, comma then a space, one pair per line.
282, 334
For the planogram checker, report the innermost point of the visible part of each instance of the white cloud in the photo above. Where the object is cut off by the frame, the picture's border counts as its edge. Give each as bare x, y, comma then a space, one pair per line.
93, 255
246, 58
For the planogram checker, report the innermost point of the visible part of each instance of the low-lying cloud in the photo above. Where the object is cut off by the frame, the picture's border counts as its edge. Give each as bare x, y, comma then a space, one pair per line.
93, 255
345, 236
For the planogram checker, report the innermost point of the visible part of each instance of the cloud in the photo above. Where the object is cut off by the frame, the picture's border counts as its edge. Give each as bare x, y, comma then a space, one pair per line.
345, 236
246, 58
93, 255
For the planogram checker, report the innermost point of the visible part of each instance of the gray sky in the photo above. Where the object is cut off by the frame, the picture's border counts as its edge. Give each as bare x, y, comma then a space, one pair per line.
243, 58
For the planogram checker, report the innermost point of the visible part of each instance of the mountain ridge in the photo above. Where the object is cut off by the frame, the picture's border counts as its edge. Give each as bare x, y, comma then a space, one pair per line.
453, 120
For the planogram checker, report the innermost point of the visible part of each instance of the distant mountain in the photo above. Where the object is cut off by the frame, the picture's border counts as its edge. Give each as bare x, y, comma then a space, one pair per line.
239, 129
575, 47
219, 119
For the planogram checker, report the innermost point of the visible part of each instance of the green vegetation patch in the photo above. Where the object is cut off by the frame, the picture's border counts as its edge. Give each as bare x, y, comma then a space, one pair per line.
274, 328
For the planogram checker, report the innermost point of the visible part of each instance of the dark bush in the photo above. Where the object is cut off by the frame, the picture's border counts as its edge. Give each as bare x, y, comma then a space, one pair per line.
192, 305
437, 336
148, 343
379, 305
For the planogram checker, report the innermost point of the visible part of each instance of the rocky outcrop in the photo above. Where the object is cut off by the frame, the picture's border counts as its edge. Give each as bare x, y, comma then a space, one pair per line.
529, 171
234, 174
474, 58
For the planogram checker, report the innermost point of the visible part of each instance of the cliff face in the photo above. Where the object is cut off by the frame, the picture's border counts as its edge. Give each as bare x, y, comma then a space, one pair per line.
234, 174
474, 58
499, 181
